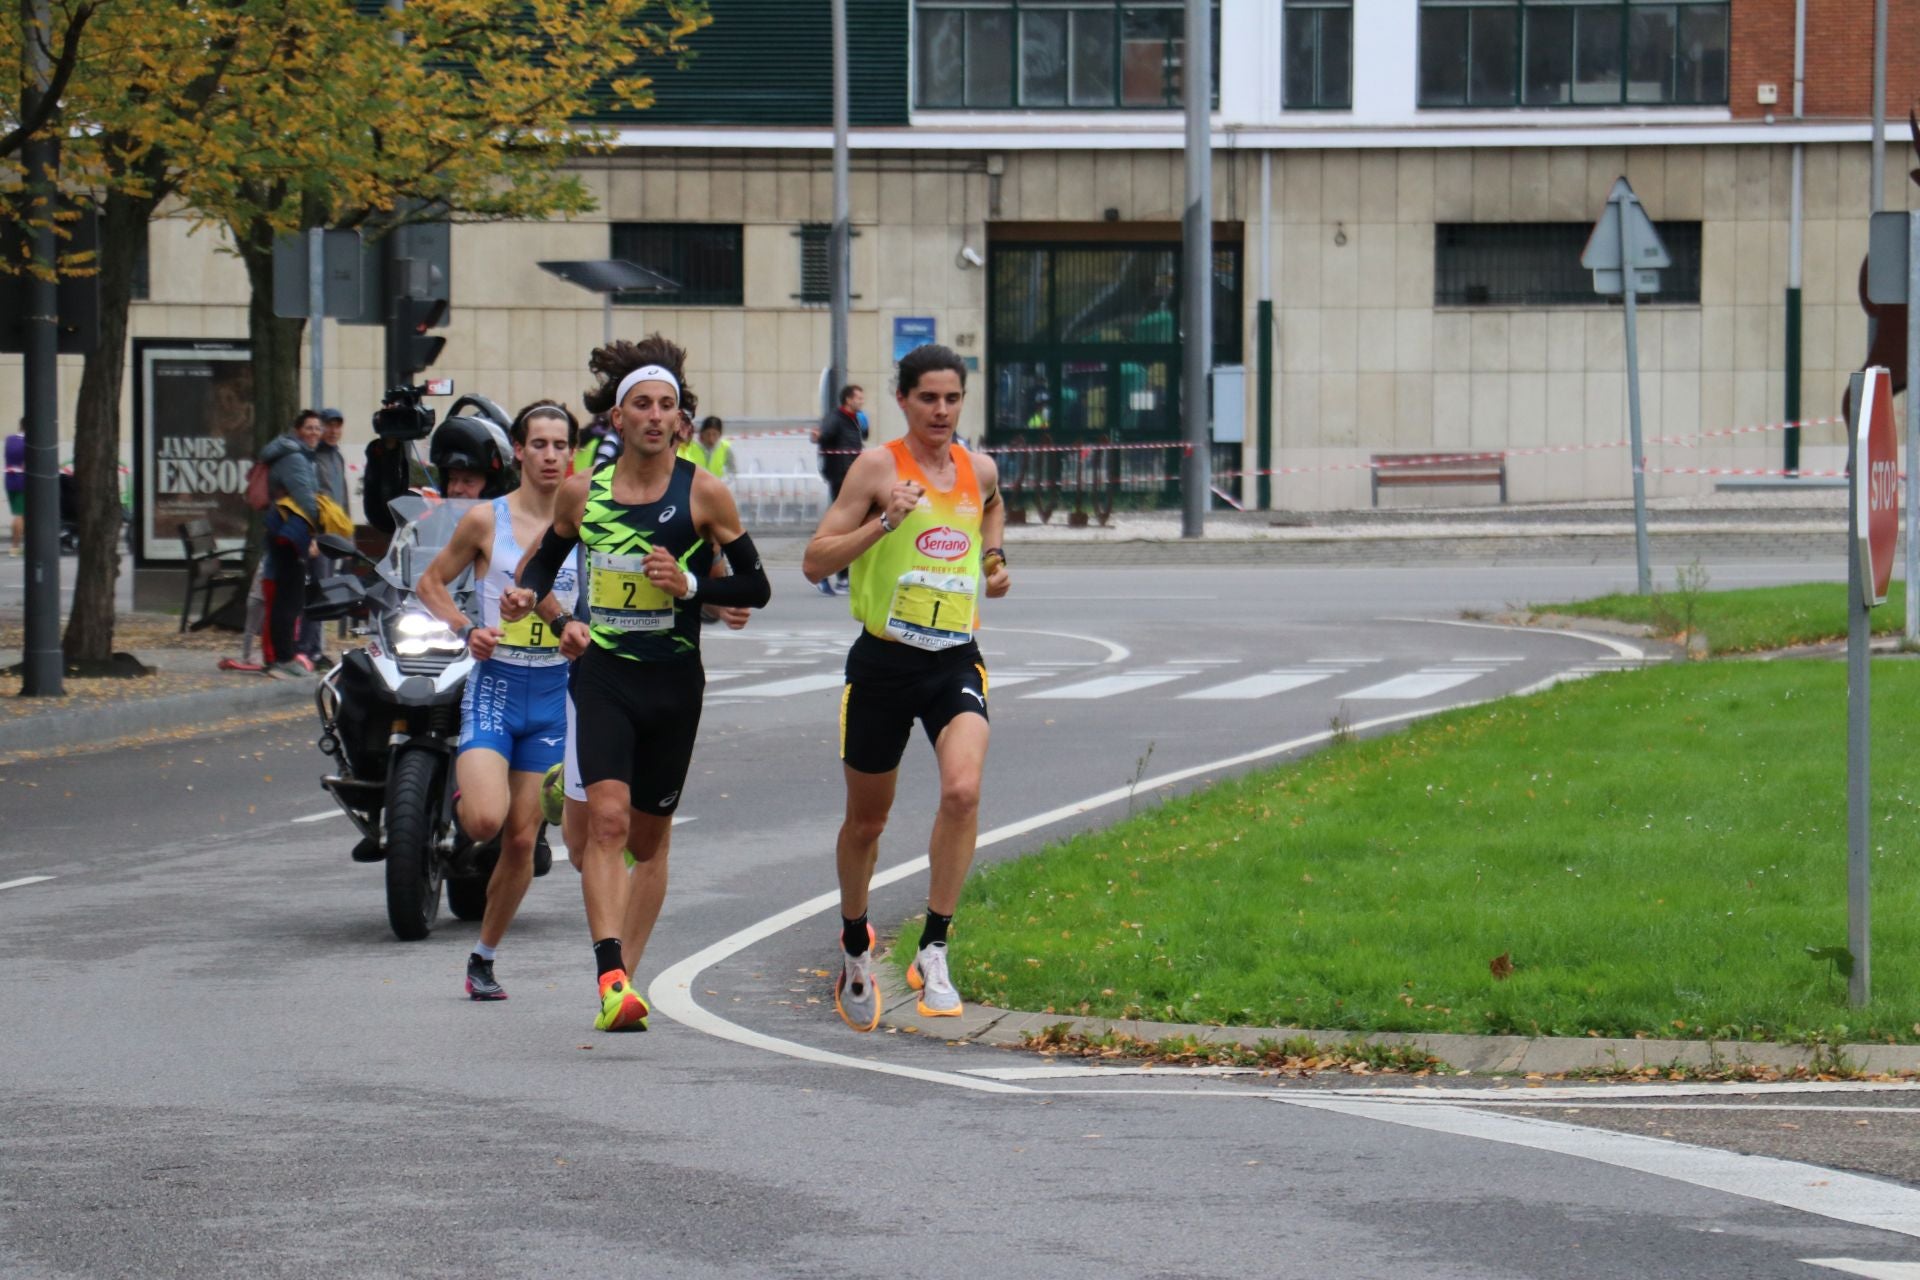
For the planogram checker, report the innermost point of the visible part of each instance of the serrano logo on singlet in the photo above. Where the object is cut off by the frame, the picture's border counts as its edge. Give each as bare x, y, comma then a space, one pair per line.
943, 543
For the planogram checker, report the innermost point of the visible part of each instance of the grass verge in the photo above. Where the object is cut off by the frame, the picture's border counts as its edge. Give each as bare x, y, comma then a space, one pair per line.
1745, 620
1652, 853
1294, 1056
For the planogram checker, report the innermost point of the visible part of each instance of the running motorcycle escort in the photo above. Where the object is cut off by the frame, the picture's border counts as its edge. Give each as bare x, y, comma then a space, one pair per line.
390, 710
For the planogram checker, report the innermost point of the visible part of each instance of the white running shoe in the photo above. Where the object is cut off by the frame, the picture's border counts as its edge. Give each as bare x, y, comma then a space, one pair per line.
855, 994
928, 975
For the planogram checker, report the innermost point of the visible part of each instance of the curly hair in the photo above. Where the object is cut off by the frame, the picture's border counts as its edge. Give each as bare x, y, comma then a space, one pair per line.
545, 409
616, 360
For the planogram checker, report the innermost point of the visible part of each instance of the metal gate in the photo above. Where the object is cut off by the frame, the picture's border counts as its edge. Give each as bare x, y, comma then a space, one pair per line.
1083, 351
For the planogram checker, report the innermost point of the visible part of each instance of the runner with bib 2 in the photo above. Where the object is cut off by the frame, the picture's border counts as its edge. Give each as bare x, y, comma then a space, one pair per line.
920, 522
651, 525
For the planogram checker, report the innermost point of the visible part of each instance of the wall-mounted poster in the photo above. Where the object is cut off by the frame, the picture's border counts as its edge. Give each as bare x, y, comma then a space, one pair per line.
193, 442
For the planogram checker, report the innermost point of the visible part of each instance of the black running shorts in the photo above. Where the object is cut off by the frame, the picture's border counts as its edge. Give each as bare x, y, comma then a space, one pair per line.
635, 722
890, 685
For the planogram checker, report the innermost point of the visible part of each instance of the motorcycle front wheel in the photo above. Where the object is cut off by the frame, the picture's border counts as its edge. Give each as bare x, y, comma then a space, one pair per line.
467, 897
413, 872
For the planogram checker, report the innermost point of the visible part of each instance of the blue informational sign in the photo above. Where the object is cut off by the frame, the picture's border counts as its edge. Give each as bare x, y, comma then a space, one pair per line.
910, 332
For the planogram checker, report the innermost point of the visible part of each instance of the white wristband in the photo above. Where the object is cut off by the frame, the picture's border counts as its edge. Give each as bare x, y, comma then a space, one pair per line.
884, 526
693, 584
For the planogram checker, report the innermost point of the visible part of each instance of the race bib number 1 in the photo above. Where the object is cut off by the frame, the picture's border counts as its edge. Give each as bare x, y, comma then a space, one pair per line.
932, 611
622, 598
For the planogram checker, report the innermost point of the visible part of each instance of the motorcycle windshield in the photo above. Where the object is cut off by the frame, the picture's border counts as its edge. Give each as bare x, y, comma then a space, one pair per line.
421, 527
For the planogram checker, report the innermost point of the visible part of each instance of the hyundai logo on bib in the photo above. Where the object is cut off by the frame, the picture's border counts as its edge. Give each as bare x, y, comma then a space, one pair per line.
943, 543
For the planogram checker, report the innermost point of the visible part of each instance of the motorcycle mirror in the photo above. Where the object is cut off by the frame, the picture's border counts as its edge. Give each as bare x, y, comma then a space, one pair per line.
335, 545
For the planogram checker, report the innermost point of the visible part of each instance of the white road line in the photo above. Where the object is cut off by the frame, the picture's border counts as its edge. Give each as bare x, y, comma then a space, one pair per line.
1845, 1197
1620, 647
321, 817
1871, 1270
1342, 662
23, 882
671, 993
1415, 684
1111, 686
1093, 1073
1115, 652
787, 688
1265, 686
1203, 662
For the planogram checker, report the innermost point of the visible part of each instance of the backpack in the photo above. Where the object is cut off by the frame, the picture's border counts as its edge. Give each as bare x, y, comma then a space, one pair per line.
258, 496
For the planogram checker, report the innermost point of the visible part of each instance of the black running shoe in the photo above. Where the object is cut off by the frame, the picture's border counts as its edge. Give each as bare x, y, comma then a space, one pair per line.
480, 983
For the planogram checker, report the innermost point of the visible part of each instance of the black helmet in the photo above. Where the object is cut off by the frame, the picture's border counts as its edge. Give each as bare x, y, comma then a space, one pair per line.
470, 442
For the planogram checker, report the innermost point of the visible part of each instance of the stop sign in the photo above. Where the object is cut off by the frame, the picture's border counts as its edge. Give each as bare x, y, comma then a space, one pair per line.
1876, 480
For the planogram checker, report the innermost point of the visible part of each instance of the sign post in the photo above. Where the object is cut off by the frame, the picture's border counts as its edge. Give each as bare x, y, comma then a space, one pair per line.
1625, 255
1873, 467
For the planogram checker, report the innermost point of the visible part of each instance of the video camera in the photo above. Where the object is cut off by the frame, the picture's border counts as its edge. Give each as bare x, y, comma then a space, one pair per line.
403, 417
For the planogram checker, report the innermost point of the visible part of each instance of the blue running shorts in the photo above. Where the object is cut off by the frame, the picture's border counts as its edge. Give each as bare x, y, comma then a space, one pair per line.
516, 712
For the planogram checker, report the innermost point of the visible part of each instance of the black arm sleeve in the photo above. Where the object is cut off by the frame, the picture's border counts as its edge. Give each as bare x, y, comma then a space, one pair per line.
745, 588
546, 564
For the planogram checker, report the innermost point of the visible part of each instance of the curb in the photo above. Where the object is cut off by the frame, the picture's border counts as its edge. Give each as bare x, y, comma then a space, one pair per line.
97, 726
1479, 1055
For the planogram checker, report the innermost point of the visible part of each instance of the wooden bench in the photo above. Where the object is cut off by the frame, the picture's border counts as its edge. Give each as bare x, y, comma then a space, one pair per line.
1390, 469
207, 572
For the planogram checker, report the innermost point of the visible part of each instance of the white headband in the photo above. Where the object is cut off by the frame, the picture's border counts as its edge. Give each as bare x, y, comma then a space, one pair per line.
645, 373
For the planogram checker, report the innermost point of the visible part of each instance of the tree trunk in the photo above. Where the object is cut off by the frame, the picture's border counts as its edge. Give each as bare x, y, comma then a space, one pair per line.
276, 342
96, 434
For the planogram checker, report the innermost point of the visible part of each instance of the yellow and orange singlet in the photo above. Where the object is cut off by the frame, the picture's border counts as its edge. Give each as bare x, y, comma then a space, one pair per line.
919, 585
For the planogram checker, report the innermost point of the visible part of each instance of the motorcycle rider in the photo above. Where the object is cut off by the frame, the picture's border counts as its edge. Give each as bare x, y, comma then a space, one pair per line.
651, 523
513, 716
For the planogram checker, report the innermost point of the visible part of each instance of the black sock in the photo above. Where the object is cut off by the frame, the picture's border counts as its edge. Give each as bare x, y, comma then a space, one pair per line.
853, 935
606, 954
936, 928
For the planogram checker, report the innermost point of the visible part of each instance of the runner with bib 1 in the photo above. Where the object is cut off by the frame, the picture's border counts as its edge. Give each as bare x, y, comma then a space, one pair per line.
919, 521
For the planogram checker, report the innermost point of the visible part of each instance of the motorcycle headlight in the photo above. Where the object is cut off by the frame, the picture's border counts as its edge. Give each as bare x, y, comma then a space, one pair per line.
421, 633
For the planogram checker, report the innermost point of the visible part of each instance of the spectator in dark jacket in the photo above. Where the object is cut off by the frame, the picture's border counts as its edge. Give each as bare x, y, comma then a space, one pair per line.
839, 437
290, 544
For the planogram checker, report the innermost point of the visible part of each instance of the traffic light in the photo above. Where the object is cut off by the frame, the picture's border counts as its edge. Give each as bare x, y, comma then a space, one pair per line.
413, 347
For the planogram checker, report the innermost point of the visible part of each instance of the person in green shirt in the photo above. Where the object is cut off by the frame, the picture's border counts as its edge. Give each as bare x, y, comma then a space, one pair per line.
708, 451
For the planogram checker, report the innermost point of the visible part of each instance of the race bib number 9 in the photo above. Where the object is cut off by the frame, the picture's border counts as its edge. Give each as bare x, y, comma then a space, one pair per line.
932, 611
621, 597
529, 632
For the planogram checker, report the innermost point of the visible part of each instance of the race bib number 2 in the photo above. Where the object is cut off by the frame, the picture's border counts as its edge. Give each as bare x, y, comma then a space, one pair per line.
622, 598
932, 611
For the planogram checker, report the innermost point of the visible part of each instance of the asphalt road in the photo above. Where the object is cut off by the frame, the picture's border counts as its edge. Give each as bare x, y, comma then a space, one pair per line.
215, 1060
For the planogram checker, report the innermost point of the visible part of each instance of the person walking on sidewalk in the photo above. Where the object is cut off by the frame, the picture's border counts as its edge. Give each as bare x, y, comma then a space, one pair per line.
292, 520
651, 524
513, 720
330, 479
920, 522
840, 438
16, 464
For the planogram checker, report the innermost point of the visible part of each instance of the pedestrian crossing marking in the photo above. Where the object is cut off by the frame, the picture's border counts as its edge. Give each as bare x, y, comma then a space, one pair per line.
1110, 686
1261, 686
787, 688
1413, 685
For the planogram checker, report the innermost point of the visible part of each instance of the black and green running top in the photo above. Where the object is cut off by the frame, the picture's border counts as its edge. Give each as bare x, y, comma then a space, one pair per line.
627, 614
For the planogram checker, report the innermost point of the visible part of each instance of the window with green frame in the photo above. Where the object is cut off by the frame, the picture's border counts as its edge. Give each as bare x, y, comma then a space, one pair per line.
1067, 54
1316, 56
1572, 53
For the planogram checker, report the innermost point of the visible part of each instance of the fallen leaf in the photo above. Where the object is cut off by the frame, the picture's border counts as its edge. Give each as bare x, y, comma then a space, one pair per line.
1501, 967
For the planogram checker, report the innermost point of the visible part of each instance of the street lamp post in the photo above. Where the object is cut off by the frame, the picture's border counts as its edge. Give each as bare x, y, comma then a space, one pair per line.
1197, 237
41, 666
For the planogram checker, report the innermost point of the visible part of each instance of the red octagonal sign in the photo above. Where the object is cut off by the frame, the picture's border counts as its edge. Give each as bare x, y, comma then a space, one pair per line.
1876, 480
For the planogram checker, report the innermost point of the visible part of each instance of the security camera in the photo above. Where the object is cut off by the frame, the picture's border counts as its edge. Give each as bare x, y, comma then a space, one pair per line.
970, 257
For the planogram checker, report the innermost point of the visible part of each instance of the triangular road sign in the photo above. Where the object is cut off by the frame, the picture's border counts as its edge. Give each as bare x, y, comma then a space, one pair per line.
1603, 246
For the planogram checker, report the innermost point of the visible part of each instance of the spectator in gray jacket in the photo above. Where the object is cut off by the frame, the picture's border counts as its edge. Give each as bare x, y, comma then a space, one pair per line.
290, 474
329, 464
